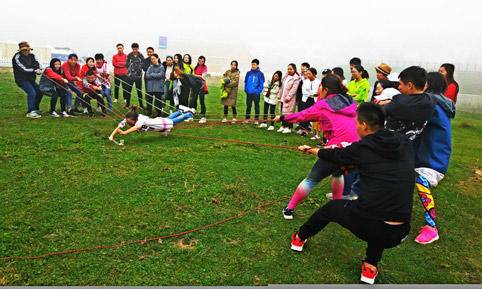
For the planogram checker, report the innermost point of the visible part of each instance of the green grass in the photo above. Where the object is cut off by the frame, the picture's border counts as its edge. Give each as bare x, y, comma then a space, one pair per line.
64, 186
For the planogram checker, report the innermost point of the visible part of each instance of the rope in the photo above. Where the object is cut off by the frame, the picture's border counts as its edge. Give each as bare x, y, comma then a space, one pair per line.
139, 242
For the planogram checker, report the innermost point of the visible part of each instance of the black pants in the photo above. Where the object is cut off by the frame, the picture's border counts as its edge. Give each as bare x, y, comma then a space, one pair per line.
195, 93
157, 101
100, 100
272, 109
58, 93
378, 234
302, 106
235, 113
285, 123
184, 96
137, 82
118, 81
250, 98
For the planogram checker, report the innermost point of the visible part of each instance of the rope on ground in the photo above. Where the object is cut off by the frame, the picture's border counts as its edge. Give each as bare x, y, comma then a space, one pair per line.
138, 242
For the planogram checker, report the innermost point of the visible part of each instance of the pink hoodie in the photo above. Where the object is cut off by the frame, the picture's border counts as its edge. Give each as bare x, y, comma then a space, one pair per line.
337, 116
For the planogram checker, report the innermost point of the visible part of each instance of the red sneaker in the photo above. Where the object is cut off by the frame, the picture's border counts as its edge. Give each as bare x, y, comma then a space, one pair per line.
296, 243
368, 275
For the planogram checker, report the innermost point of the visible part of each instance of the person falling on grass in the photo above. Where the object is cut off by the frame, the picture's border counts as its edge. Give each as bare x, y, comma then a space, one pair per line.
381, 215
143, 123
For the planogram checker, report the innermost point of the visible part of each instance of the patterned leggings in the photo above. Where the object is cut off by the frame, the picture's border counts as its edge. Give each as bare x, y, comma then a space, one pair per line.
427, 199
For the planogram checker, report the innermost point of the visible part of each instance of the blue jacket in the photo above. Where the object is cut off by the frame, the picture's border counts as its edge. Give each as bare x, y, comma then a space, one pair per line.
254, 82
433, 147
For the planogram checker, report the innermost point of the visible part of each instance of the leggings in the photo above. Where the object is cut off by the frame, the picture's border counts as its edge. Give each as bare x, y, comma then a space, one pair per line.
235, 113
427, 199
320, 170
378, 234
271, 108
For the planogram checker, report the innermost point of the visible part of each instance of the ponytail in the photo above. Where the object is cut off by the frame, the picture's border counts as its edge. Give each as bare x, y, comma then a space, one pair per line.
333, 83
132, 114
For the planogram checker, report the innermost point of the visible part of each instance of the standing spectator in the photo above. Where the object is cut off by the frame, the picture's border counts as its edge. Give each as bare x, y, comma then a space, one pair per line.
178, 60
447, 70
168, 68
201, 70
52, 83
355, 61
383, 70
146, 63
231, 80
25, 68
270, 92
71, 69
287, 95
185, 91
359, 87
253, 86
299, 93
155, 77
339, 71
309, 90
134, 74
103, 74
120, 72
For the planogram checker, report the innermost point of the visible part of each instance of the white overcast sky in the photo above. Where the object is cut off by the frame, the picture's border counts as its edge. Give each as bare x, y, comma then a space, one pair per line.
428, 30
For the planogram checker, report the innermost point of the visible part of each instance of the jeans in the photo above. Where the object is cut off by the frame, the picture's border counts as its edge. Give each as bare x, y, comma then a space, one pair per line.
156, 101
193, 101
73, 87
302, 106
107, 94
250, 98
178, 116
130, 85
352, 183
118, 81
235, 113
272, 109
34, 96
378, 234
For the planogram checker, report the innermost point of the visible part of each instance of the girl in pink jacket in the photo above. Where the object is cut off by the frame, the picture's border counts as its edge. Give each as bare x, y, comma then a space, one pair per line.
336, 113
287, 95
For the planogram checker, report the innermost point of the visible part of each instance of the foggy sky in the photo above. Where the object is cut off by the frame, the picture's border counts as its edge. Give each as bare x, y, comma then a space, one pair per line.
432, 31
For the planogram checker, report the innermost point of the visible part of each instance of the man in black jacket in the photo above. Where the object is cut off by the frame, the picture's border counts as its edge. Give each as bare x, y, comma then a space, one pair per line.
25, 70
381, 215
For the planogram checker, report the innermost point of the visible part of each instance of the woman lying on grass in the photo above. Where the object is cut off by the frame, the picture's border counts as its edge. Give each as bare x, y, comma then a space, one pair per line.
142, 123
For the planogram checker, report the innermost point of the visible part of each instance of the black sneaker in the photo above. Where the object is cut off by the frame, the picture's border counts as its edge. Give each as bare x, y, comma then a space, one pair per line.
288, 213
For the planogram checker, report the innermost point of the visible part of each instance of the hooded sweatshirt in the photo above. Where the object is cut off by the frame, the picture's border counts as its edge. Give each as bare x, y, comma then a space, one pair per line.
385, 162
337, 116
254, 82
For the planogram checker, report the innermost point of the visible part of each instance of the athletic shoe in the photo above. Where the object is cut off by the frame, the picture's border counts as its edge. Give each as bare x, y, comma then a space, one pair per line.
190, 119
125, 101
246, 121
86, 111
271, 127
33, 114
234, 121
368, 275
427, 235
54, 114
315, 137
99, 109
115, 100
300, 131
288, 213
256, 122
296, 243
263, 125
286, 130
65, 114
281, 129
202, 120
351, 197
186, 109
225, 120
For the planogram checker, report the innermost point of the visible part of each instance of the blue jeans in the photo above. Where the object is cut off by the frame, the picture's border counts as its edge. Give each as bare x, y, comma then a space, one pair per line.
34, 96
178, 116
352, 183
73, 87
107, 94
250, 98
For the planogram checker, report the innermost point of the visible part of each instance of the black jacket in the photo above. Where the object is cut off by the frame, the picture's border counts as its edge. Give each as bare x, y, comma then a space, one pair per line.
193, 82
24, 67
385, 162
146, 63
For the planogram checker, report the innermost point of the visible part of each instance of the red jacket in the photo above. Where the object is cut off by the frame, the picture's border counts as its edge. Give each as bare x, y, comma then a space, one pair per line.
71, 72
51, 74
452, 91
83, 72
119, 63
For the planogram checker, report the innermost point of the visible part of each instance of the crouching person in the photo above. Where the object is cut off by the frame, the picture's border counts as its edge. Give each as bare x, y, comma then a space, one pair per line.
381, 215
92, 89
54, 84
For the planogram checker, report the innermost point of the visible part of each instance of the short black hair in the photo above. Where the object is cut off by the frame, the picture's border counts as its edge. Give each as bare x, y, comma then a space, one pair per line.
414, 74
90, 72
99, 56
313, 71
338, 71
72, 55
119, 44
150, 48
436, 83
255, 61
372, 114
134, 45
305, 64
355, 61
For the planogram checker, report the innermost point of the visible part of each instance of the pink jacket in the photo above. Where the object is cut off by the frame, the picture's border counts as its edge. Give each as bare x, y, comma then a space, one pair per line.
287, 93
337, 116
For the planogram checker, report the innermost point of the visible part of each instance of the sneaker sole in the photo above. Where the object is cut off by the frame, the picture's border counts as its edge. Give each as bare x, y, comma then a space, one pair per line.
296, 248
426, 243
367, 280
287, 217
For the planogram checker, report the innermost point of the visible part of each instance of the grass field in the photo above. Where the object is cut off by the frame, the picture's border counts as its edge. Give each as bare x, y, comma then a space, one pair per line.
65, 186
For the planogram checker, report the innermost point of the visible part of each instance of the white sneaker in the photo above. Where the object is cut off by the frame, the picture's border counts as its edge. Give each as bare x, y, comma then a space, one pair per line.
271, 127
225, 120
115, 100
86, 111
65, 114
125, 101
99, 109
315, 137
33, 114
263, 125
187, 109
281, 129
234, 121
54, 114
246, 121
256, 122
286, 130
351, 197
202, 120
